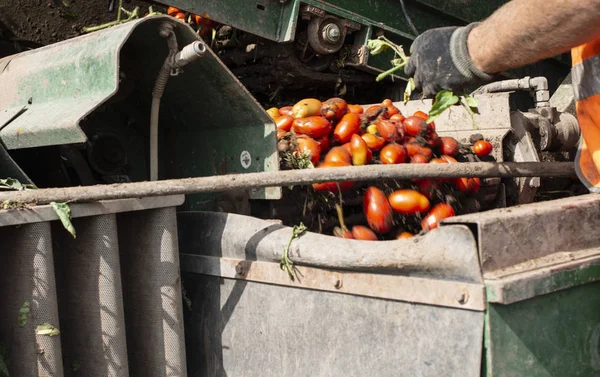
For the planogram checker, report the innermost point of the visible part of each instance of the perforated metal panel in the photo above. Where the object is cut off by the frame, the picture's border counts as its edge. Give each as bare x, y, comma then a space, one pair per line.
152, 293
90, 298
27, 274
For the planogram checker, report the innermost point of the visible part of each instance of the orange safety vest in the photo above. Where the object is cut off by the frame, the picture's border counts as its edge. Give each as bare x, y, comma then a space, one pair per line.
586, 86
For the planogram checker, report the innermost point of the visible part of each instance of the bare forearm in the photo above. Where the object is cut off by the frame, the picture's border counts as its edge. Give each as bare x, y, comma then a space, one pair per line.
525, 31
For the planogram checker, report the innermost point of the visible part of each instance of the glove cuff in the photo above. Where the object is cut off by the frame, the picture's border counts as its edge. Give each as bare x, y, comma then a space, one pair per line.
460, 54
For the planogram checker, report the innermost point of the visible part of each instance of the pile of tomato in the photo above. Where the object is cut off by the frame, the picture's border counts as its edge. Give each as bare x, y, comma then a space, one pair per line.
334, 133
205, 25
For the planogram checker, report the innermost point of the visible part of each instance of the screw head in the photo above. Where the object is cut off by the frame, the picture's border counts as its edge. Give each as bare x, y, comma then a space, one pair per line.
332, 33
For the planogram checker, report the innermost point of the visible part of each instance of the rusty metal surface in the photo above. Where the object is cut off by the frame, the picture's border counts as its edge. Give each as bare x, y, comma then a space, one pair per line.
398, 288
510, 236
447, 253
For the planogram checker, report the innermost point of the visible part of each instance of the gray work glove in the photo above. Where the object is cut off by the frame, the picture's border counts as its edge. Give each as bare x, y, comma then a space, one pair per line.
440, 60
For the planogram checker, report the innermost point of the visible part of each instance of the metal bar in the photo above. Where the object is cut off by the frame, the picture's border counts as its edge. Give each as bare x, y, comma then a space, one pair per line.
398, 288
291, 177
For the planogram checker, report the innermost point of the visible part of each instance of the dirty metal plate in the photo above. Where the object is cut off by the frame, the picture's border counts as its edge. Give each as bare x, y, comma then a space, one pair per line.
398, 288
519, 234
448, 253
242, 328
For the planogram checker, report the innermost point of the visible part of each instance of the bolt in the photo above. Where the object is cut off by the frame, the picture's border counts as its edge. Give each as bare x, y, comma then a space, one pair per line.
462, 298
240, 270
338, 283
332, 33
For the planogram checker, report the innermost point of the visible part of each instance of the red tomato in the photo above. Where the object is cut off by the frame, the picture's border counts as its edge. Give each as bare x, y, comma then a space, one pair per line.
434, 140
374, 142
418, 159
448, 159
378, 210
393, 154
331, 186
172, 10
468, 185
180, 16
284, 122
286, 110
387, 130
313, 126
356, 109
398, 117
421, 114
437, 214
404, 235
348, 126
309, 147
482, 148
412, 149
391, 109
334, 109
449, 146
339, 154
363, 233
415, 126
342, 233
408, 202
426, 152
427, 186
374, 112
361, 154
323, 143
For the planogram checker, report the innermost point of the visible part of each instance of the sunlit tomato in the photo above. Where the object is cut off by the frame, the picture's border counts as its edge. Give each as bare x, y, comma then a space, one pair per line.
438, 213
428, 186
412, 149
415, 126
172, 10
363, 233
373, 142
398, 117
361, 154
284, 122
392, 154
334, 109
374, 112
391, 109
342, 233
339, 154
468, 185
347, 147
307, 107
378, 210
286, 110
448, 159
324, 143
180, 16
421, 114
347, 126
449, 146
387, 130
356, 109
331, 186
273, 112
482, 148
314, 126
404, 236
408, 202
309, 147
418, 159
438, 161
372, 129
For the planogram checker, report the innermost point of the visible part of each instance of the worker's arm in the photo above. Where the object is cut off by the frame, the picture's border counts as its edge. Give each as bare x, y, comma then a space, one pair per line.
519, 33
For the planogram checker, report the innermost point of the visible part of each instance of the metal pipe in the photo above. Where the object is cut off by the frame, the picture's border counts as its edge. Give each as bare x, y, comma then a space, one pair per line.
537, 85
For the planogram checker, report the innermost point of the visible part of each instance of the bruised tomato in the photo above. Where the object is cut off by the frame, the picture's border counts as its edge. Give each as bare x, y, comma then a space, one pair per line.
339, 154
284, 122
482, 148
387, 130
334, 109
306, 108
378, 210
347, 126
438, 213
356, 109
408, 202
331, 186
373, 142
392, 154
468, 185
286, 110
374, 112
363, 233
273, 112
323, 143
404, 236
309, 147
313, 126
361, 154
414, 126
418, 159
172, 10
449, 146
391, 109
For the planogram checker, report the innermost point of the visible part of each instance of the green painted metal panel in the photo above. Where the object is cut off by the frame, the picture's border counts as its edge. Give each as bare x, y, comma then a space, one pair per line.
548, 336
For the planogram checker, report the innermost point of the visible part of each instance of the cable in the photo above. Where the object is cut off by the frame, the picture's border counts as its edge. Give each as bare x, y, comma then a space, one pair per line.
408, 20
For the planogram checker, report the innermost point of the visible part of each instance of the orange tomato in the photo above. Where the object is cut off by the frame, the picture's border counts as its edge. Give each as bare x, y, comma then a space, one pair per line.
373, 142
421, 114
387, 130
342, 233
404, 235
415, 126
378, 210
172, 10
339, 154
468, 185
356, 109
374, 112
331, 186
334, 109
427, 186
284, 122
361, 154
180, 16
397, 117
309, 147
438, 213
408, 202
482, 148
313, 126
286, 110
347, 126
323, 143
363, 233
418, 159
392, 154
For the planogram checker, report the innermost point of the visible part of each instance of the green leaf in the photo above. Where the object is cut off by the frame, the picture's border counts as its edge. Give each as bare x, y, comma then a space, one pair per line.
64, 214
11, 184
443, 101
47, 329
410, 87
471, 102
24, 314
377, 46
3, 363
